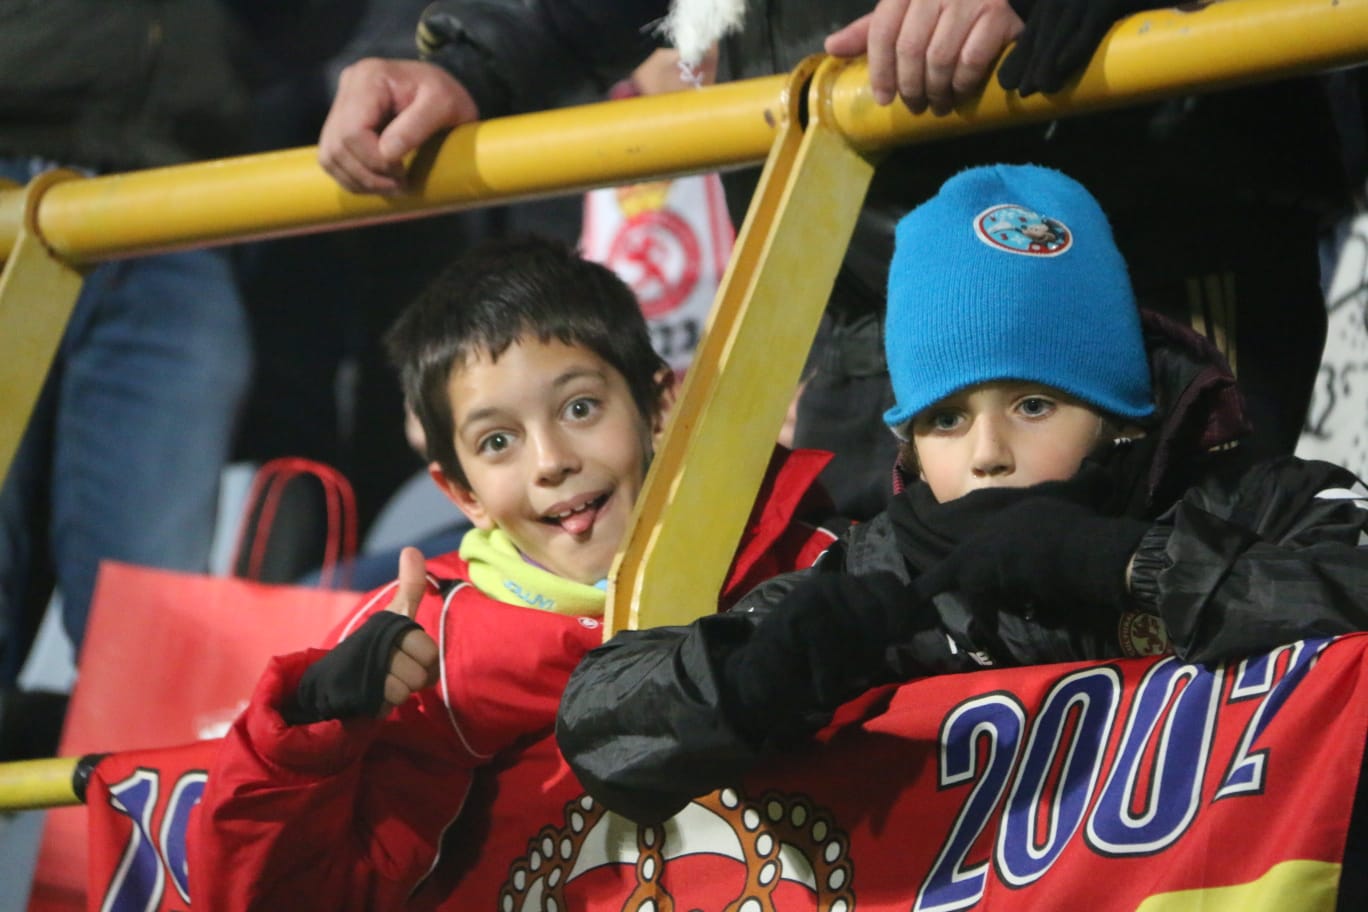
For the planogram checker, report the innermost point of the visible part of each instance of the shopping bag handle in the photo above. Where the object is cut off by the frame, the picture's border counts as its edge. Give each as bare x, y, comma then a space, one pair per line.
264, 499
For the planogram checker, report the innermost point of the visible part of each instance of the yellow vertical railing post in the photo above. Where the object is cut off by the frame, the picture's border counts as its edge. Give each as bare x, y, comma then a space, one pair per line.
37, 293
745, 370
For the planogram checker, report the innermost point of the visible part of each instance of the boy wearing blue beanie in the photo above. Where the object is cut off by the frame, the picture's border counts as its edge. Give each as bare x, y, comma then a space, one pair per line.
1010, 323
1070, 487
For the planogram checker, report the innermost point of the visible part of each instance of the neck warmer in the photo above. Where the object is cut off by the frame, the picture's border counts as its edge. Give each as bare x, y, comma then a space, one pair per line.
927, 531
499, 570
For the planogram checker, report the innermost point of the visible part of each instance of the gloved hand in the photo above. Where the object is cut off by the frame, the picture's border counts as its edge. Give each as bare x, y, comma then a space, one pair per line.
380, 665
1048, 553
1059, 38
821, 645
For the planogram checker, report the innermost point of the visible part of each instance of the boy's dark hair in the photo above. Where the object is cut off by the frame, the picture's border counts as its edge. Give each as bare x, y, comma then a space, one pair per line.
497, 293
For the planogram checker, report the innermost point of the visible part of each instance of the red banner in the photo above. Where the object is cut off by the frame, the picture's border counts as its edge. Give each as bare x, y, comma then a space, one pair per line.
1137, 784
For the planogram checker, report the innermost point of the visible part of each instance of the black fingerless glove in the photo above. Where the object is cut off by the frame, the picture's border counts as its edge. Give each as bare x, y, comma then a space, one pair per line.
824, 643
1059, 38
1054, 555
350, 680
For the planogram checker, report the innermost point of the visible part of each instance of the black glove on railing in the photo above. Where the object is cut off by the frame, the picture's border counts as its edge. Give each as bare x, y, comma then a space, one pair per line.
822, 645
1059, 39
350, 680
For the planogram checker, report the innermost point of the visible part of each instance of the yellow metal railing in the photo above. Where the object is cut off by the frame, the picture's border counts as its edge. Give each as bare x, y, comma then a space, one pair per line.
815, 176
34, 784
1150, 55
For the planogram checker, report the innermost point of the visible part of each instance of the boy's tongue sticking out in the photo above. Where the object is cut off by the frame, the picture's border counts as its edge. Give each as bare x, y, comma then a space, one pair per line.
579, 516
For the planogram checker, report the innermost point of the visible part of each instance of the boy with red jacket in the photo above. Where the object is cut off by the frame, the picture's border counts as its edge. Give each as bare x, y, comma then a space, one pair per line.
541, 400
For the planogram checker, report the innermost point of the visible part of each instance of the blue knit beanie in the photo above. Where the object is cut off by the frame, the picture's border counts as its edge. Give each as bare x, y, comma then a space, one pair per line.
1010, 272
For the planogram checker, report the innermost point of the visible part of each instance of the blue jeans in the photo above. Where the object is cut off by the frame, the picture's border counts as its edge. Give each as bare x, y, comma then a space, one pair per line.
122, 456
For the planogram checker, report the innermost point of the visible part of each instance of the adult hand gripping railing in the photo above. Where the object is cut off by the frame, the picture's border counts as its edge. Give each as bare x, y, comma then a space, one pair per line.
817, 129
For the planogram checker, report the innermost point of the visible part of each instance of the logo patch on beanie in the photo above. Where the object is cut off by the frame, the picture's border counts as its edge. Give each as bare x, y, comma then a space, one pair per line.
1017, 229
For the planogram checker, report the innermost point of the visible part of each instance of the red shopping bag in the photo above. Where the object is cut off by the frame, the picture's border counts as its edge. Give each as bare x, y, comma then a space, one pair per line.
171, 658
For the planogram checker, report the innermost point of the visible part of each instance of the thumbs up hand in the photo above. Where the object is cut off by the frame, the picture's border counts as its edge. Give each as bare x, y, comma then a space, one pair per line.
414, 664
384, 662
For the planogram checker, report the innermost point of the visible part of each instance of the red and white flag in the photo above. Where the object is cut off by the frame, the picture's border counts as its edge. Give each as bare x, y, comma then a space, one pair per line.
1136, 784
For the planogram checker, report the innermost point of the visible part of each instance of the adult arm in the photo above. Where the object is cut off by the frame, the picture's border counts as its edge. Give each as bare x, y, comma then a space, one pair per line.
516, 57
482, 58
935, 53
931, 53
